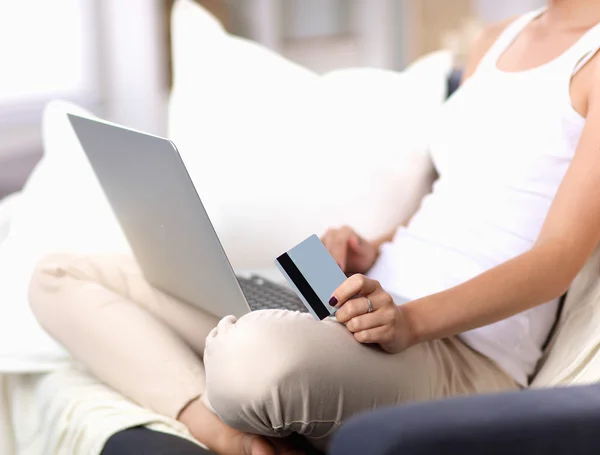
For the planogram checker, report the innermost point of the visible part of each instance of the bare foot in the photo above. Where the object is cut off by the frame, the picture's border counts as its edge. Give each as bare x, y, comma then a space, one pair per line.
207, 428
250, 444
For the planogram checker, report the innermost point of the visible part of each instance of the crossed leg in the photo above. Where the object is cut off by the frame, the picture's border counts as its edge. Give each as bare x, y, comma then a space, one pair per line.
271, 373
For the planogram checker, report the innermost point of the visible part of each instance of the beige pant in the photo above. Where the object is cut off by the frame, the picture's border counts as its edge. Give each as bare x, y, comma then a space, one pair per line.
271, 372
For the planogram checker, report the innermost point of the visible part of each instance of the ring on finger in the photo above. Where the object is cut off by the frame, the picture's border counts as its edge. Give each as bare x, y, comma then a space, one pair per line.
370, 305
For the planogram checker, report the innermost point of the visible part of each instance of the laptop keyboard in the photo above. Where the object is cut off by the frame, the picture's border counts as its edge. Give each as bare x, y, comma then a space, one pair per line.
263, 294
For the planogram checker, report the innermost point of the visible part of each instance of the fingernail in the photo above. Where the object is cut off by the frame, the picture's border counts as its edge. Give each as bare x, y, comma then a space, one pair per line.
333, 301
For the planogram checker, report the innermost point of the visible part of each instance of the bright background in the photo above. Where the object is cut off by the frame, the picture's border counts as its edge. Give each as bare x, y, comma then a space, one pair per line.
112, 56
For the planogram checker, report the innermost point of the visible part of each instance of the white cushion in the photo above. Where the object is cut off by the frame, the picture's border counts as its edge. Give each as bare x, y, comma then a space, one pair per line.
60, 208
278, 152
63, 206
7, 205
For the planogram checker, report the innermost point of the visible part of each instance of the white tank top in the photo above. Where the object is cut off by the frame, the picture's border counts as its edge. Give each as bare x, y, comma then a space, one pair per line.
501, 146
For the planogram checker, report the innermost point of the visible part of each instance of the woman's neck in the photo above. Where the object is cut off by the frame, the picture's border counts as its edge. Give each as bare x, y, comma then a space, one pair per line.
568, 14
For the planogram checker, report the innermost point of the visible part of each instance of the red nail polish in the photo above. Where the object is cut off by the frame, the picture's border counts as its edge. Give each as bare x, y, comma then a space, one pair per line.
333, 301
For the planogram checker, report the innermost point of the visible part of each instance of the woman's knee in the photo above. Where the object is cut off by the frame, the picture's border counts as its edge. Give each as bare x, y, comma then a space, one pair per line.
257, 365
50, 285
47, 279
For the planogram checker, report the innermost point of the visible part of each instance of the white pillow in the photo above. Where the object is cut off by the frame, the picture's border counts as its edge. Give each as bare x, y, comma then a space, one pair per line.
63, 206
60, 208
7, 205
278, 152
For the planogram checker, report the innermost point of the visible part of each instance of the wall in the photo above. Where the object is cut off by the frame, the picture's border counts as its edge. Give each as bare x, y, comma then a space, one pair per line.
495, 10
133, 66
435, 19
129, 60
316, 18
456, 24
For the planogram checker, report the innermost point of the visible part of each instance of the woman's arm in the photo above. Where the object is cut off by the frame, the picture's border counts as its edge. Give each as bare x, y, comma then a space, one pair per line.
569, 234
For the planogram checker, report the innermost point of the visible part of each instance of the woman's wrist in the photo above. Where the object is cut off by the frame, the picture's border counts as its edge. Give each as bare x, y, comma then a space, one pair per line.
377, 244
412, 325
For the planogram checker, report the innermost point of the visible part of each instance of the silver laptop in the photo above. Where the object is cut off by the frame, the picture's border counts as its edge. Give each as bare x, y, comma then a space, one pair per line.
168, 229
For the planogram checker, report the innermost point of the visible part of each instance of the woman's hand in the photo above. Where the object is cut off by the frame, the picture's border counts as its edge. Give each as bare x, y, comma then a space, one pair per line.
350, 251
381, 322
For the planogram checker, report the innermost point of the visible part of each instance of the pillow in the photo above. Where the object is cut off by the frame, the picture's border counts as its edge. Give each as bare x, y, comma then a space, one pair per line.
278, 152
61, 207
6, 207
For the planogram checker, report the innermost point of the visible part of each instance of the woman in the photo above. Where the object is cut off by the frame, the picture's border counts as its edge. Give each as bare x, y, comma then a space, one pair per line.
512, 218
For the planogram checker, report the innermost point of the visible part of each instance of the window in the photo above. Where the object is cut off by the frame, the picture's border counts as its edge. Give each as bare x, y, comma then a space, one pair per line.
48, 50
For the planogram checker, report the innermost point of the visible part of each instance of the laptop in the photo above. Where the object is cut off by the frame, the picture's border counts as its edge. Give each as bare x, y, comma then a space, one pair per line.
164, 220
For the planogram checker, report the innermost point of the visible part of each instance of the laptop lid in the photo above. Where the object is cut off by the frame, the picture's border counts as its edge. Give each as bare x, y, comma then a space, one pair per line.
162, 216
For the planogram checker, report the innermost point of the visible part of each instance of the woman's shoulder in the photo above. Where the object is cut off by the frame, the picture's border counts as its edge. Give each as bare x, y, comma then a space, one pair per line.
483, 44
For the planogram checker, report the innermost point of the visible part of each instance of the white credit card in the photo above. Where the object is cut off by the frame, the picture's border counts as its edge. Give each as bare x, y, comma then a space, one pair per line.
313, 274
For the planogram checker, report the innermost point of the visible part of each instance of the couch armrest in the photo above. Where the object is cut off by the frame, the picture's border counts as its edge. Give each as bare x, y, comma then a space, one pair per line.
7, 205
454, 80
550, 421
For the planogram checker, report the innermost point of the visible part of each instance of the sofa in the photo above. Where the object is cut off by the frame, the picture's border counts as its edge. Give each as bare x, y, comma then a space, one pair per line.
557, 421
246, 121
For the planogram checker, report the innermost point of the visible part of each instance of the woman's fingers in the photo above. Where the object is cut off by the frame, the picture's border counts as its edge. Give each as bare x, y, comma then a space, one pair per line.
365, 321
355, 243
384, 325
327, 239
351, 309
380, 335
355, 285
336, 242
358, 307
349, 250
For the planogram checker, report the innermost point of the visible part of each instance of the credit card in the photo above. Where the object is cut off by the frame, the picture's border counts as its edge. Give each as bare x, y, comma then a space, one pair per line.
313, 274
